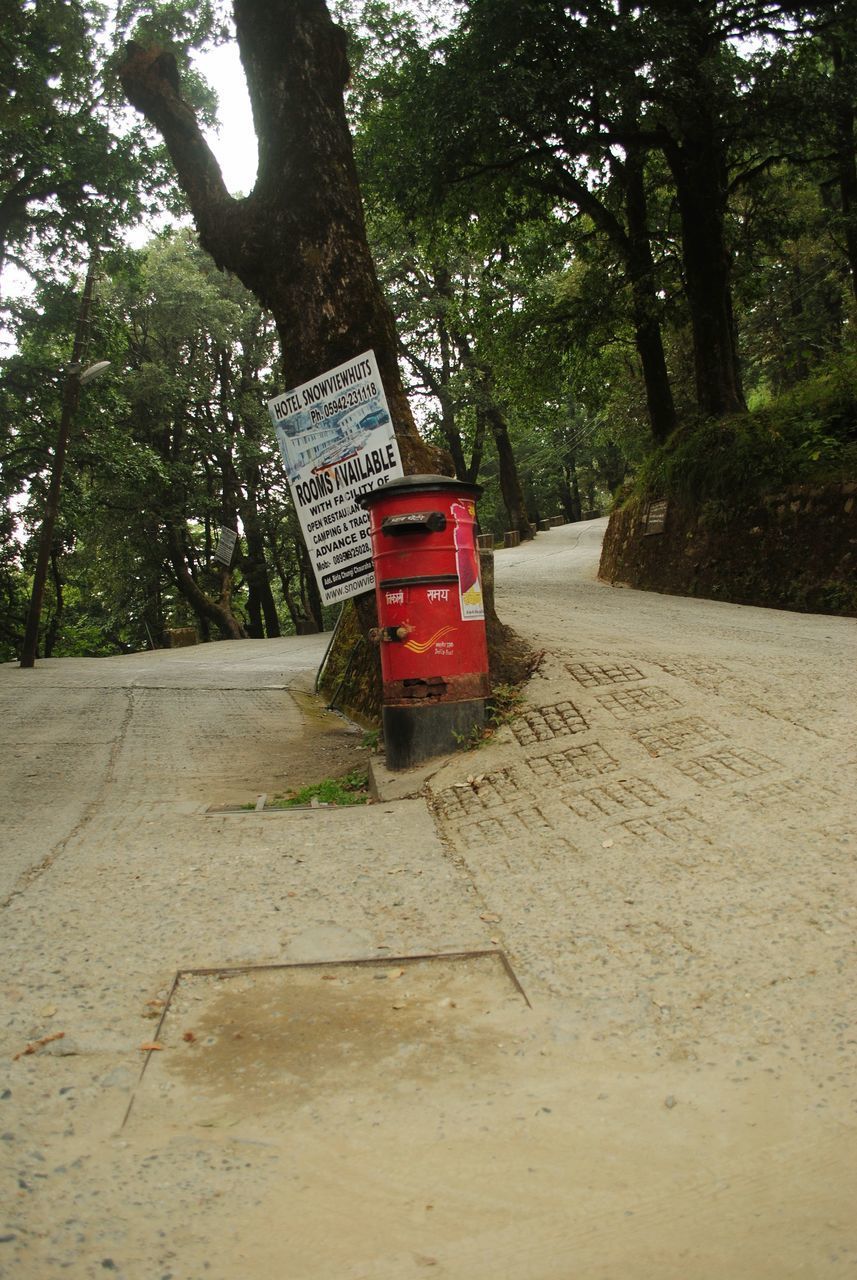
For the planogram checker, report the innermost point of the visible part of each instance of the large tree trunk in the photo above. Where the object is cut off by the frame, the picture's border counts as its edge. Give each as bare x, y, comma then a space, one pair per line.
699, 171
846, 153
310, 594
640, 267
636, 248
53, 628
260, 603
569, 489
510, 481
632, 243
298, 241
255, 566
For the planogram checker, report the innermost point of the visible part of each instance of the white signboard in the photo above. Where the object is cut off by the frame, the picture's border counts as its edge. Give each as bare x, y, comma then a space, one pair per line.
226, 545
337, 441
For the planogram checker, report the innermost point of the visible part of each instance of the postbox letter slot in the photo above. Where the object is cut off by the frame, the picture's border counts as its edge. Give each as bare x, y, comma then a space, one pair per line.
414, 522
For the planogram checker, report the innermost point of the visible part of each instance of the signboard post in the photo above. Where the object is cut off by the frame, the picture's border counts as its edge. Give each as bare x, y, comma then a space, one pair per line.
337, 441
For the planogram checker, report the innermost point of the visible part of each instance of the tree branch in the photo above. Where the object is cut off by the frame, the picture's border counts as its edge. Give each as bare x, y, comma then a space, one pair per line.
150, 80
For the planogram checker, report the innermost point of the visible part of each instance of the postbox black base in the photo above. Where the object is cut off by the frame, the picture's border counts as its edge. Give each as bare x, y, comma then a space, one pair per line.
426, 729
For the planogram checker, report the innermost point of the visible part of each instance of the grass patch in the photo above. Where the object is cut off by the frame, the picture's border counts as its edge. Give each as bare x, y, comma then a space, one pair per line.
352, 788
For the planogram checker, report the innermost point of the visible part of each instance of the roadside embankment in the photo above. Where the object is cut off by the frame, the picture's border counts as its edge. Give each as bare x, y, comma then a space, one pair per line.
792, 549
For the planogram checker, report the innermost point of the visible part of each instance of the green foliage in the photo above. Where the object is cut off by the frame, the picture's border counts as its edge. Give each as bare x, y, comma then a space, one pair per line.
499, 144
504, 704
350, 789
179, 27
72, 173
172, 443
588, 120
15, 588
807, 434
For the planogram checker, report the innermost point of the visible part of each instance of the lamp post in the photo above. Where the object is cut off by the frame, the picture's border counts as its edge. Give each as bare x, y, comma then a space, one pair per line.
76, 377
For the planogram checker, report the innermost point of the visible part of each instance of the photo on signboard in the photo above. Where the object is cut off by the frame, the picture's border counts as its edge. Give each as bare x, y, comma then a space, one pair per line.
320, 445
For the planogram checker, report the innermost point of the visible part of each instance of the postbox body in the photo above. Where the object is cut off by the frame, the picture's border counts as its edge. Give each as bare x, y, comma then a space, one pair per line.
428, 587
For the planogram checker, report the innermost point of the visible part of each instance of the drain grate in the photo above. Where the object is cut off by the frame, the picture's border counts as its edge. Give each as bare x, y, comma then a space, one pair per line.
261, 806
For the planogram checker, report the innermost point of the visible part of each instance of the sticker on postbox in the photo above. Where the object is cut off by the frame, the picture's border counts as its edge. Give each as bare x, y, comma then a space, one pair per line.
436, 641
467, 560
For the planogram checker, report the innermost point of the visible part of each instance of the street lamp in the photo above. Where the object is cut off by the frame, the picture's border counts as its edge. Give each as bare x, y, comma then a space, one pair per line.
93, 371
75, 379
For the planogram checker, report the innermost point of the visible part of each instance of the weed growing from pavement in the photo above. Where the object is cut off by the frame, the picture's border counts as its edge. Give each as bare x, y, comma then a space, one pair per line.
502, 706
352, 788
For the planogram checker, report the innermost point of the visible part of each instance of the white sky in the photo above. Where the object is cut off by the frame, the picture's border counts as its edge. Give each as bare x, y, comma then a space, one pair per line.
234, 144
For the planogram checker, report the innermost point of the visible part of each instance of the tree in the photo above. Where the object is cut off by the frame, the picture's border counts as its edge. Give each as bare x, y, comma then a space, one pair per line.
47, 555
506, 115
298, 241
68, 177
448, 296
816, 113
599, 106
158, 460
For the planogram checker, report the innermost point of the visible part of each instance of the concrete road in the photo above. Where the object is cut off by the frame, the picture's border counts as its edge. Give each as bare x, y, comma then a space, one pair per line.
79, 732
634, 1057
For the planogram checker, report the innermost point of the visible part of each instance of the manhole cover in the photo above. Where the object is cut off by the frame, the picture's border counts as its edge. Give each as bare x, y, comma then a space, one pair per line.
246, 1044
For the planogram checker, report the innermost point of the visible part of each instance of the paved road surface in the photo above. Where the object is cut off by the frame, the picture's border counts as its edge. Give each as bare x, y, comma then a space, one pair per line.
660, 1083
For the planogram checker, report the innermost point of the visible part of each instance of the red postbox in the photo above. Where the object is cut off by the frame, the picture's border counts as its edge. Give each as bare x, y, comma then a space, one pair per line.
431, 616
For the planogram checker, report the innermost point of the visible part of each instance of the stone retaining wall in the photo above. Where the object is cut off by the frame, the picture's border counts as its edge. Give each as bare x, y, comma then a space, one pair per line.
796, 549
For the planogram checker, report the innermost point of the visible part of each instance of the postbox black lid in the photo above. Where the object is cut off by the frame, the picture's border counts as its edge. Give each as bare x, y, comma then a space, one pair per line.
420, 484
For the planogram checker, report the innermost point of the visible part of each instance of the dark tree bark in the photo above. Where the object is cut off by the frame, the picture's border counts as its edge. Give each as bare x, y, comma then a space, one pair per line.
569, 489
292, 604
264, 610
510, 482
255, 629
53, 627
633, 244
697, 129
846, 150
640, 269
699, 170
310, 594
298, 241
448, 424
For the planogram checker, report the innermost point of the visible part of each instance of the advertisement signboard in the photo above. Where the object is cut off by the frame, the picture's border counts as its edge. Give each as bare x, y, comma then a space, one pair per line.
337, 441
226, 546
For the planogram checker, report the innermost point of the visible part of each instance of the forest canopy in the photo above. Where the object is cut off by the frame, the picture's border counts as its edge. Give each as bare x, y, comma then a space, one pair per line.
603, 235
